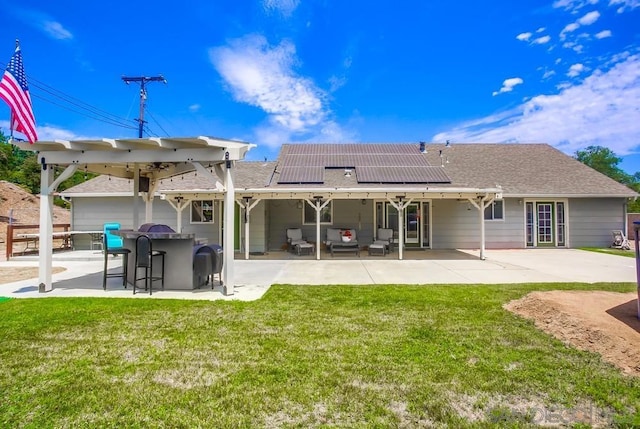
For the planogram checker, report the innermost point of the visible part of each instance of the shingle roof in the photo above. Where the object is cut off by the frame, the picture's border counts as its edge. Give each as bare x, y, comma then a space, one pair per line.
519, 169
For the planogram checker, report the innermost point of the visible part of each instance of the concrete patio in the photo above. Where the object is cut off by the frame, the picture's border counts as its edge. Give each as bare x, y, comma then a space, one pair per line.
83, 274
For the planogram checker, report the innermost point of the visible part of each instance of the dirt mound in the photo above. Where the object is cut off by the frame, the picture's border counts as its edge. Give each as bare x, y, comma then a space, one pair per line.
22, 207
599, 321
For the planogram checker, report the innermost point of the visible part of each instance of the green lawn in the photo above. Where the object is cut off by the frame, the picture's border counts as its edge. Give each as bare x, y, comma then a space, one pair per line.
619, 252
330, 356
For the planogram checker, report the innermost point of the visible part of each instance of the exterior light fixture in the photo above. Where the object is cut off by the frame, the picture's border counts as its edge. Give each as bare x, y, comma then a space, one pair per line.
423, 147
347, 172
448, 144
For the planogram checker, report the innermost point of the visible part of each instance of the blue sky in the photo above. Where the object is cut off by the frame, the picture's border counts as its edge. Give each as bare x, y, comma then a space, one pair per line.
563, 72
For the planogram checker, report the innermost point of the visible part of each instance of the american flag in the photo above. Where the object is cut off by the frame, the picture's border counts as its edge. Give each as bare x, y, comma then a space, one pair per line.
15, 92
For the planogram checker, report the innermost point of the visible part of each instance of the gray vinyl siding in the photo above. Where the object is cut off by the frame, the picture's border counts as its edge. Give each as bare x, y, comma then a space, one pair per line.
592, 220
92, 213
257, 229
283, 214
456, 225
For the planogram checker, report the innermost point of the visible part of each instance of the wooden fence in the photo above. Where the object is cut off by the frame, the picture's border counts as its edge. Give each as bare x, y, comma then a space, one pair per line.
30, 236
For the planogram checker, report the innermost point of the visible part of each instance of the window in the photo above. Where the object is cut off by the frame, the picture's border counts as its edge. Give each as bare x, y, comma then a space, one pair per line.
309, 214
495, 211
202, 211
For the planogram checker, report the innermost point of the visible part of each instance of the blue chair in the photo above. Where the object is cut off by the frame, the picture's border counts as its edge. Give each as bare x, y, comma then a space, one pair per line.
112, 245
113, 241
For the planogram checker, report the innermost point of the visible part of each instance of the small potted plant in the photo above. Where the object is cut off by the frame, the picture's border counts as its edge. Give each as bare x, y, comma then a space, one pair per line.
346, 236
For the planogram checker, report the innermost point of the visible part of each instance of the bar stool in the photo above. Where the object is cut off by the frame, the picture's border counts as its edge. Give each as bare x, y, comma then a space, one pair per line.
115, 251
144, 259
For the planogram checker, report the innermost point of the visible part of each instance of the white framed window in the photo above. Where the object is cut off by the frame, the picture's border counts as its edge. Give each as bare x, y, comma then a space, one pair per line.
309, 214
202, 211
495, 211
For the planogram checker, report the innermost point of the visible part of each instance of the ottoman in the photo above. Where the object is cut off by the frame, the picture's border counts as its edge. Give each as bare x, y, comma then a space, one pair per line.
377, 249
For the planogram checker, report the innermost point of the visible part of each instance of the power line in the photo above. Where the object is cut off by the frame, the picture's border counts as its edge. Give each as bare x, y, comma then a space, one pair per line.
106, 121
158, 123
93, 110
142, 80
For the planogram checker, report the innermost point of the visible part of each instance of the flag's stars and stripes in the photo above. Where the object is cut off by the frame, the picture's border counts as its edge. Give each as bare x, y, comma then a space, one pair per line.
15, 92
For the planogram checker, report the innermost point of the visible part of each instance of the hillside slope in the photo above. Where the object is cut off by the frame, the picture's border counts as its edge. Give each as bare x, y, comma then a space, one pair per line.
24, 208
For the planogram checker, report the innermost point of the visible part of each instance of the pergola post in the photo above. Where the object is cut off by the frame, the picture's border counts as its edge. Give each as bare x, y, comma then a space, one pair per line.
229, 243
136, 201
46, 230
47, 188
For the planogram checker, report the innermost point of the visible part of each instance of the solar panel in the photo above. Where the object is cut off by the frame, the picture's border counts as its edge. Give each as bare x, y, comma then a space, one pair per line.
301, 175
402, 175
374, 163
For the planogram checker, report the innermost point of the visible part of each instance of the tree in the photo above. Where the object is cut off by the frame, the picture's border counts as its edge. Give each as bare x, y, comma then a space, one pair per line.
22, 168
606, 162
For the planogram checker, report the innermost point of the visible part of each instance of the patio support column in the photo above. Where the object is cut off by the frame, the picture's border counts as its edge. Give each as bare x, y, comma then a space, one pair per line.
136, 191
47, 188
318, 205
482, 203
179, 205
247, 205
229, 244
400, 206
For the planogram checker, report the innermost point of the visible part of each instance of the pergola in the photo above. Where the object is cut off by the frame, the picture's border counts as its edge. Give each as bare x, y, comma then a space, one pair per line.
151, 158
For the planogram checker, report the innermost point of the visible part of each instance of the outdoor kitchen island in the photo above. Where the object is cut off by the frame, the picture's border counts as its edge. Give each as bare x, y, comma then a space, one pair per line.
178, 268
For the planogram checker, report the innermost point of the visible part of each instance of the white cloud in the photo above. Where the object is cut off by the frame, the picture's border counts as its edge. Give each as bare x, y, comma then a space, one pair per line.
541, 40
547, 74
568, 29
524, 37
541, 29
285, 7
575, 70
589, 18
194, 108
56, 30
508, 85
573, 5
586, 19
573, 45
600, 110
50, 133
603, 34
264, 76
626, 4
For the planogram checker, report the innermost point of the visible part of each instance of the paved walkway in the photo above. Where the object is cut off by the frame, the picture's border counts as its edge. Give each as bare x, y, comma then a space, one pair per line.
83, 274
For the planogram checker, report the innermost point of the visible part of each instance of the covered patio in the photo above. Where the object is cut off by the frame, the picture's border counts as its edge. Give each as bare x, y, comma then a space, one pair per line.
145, 161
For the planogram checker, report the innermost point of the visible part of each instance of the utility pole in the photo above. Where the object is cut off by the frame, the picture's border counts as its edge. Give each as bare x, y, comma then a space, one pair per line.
143, 95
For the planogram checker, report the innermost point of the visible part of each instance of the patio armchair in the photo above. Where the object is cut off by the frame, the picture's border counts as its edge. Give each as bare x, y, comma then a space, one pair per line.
295, 238
385, 237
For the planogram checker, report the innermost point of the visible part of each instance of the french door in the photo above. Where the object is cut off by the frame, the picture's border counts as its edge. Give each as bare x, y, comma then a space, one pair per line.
416, 229
545, 224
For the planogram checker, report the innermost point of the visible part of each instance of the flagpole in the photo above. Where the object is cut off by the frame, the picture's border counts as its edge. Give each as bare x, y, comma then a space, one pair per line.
11, 110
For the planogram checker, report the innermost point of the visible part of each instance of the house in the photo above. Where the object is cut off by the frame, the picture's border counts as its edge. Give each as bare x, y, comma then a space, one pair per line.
434, 196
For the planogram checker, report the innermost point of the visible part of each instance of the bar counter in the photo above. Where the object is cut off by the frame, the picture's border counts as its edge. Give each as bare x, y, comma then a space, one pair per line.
178, 268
